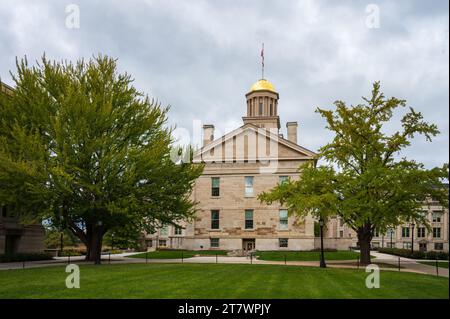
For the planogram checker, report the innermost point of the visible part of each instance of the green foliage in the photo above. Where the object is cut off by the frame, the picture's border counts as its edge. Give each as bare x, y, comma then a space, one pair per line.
364, 182
81, 148
53, 238
24, 257
313, 255
72, 253
416, 254
177, 253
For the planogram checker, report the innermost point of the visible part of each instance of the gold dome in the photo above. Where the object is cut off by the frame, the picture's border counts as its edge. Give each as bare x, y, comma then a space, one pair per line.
262, 84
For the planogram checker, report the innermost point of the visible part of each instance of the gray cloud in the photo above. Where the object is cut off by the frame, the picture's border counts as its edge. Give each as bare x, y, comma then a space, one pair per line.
201, 57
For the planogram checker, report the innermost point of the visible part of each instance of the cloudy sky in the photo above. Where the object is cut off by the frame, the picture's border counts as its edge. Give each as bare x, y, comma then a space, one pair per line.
201, 57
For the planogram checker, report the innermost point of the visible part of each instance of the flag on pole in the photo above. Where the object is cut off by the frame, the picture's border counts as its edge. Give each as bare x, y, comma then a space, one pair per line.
262, 55
262, 61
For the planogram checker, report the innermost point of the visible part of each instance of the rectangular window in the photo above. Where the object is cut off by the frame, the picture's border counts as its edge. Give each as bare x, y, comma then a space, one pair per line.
376, 233
214, 243
164, 231
283, 242
437, 217
249, 219
341, 233
248, 185
420, 232
178, 230
438, 246
215, 186
283, 219
407, 245
375, 244
260, 108
215, 219
282, 179
436, 232
271, 109
162, 242
405, 231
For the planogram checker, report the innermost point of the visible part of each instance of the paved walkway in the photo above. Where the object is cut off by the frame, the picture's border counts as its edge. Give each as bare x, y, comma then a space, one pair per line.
408, 265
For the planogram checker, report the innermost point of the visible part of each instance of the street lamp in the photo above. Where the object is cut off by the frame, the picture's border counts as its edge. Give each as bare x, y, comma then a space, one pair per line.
322, 257
412, 237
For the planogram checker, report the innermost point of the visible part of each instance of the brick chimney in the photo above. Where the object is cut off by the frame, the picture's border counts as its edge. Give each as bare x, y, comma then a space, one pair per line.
292, 131
208, 134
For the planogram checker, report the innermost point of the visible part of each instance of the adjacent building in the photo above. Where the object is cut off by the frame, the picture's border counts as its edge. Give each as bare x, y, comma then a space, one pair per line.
340, 236
16, 237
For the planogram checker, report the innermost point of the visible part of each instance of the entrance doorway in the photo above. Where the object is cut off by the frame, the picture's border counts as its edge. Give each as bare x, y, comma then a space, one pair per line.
11, 244
248, 244
423, 247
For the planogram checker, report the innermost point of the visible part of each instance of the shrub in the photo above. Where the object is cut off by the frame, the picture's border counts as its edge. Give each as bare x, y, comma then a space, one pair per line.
25, 257
112, 251
414, 255
437, 255
71, 252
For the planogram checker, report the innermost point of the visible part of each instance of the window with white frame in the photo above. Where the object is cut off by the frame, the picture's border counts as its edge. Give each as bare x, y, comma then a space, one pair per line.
283, 242
164, 231
421, 232
283, 214
178, 230
162, 242
436, 232
215, 223
214, 242
215, 186
405, 231
407, 245
248, 185
248, 219
437, 217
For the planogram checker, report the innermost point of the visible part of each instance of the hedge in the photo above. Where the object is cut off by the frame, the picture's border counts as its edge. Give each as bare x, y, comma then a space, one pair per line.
25, 257
416, 254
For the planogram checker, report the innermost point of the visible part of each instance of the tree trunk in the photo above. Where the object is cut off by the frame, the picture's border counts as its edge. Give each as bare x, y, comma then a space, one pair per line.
364, 239
94, 243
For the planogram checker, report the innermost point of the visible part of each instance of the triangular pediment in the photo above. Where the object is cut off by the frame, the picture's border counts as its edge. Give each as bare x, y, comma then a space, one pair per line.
251, 143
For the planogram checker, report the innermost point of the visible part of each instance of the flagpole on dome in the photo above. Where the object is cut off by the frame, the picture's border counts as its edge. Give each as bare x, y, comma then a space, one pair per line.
262, 61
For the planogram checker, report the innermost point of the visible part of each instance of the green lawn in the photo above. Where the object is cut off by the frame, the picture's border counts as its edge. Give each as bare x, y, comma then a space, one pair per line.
441, 264
176, 254
306, 255
216, 281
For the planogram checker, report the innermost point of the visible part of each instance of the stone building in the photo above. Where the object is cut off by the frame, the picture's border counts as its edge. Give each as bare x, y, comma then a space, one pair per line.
254, 158
238, 166
14, 236
339, 235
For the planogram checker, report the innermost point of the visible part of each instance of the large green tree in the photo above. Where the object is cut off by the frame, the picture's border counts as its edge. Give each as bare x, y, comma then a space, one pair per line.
364, 180
81, 147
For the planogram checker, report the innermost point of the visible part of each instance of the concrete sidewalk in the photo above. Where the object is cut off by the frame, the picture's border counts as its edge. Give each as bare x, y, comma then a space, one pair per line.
410, 264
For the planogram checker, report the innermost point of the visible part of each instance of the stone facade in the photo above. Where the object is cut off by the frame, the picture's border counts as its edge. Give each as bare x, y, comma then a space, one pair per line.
18, 238
257, 152
340, 235
238, 166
